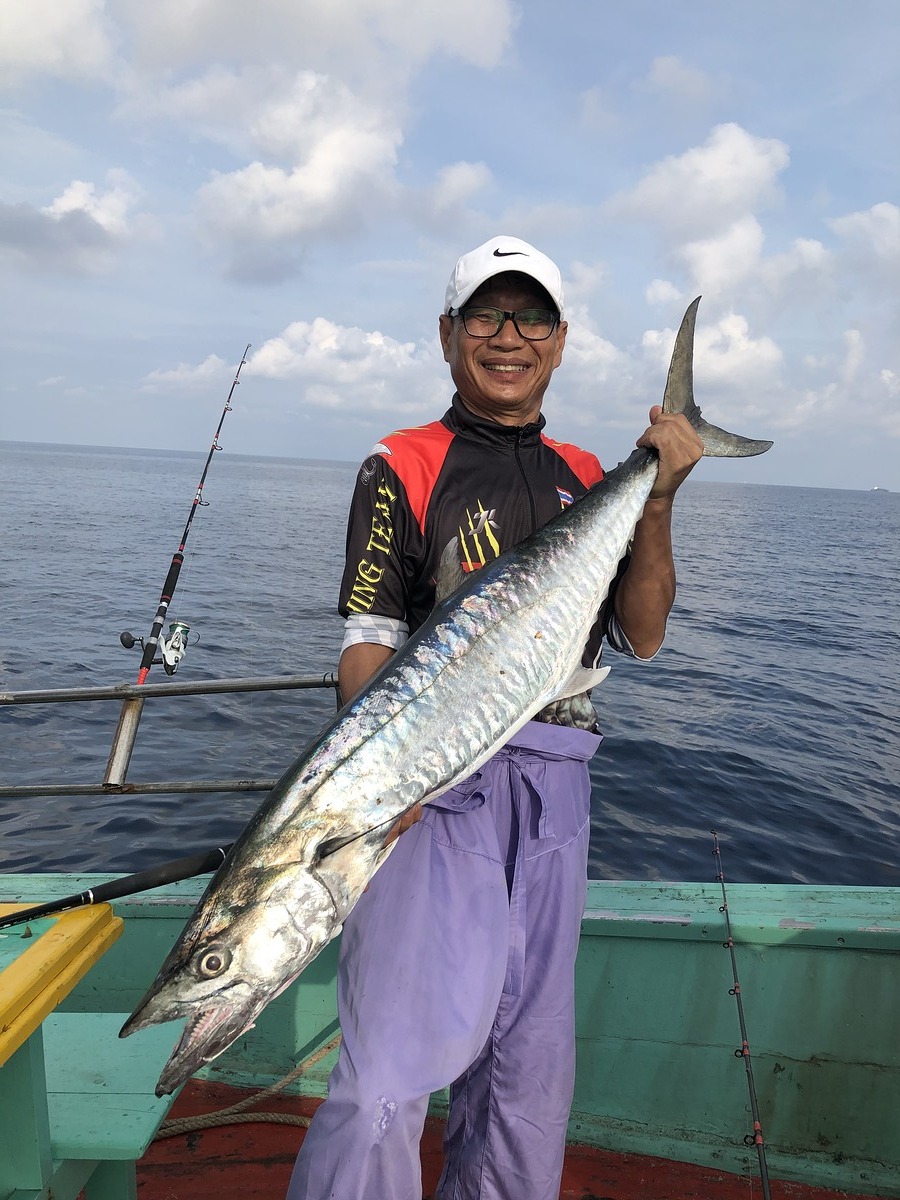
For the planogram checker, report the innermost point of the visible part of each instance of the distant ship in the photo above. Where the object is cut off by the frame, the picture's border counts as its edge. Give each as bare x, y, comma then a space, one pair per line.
879, 489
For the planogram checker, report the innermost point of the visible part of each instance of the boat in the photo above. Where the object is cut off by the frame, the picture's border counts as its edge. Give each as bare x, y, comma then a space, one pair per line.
662, 1105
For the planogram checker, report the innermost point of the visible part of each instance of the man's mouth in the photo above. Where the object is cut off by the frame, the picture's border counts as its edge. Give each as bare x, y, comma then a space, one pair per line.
506, 368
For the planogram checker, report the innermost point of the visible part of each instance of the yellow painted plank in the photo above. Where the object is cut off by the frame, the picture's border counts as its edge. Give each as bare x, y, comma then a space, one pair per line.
44, 974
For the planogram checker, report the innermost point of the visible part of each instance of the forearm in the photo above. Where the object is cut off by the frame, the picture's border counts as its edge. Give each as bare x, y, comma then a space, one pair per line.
358, 663
646, 591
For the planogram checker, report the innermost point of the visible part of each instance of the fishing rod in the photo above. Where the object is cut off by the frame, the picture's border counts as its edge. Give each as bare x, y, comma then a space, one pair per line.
173, 648
127, 885
756, 1137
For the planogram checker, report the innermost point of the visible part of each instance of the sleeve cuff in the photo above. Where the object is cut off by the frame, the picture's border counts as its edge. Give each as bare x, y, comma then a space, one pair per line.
615, 635
382, 631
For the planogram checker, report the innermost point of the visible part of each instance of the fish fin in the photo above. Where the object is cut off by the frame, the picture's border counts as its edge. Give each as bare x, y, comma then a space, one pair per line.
345, 864
450, 575
582, 679
679, 398
331, 845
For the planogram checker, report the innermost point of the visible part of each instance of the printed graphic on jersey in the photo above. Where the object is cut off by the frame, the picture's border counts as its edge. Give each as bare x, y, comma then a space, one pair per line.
565, 498
367, 471
370, 571
475, 540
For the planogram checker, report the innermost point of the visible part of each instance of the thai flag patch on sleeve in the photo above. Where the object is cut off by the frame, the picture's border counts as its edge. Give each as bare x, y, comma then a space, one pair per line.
565, 498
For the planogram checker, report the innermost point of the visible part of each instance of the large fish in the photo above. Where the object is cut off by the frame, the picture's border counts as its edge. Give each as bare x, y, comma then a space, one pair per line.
505, 643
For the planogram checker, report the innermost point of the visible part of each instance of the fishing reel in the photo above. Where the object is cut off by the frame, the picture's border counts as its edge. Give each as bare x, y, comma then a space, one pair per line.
172, 648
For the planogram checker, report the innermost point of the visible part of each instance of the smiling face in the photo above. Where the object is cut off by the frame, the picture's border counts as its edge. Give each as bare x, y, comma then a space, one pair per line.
504, 377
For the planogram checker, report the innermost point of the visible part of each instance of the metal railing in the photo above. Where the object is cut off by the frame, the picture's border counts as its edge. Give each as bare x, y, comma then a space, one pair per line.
133, 697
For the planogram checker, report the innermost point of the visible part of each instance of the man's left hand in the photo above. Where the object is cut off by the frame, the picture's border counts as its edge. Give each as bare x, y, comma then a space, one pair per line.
678, 445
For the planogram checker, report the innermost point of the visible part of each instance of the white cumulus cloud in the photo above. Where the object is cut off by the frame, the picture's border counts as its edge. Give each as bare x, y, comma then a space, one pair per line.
109, 208
707, 188
82, 231
344, 367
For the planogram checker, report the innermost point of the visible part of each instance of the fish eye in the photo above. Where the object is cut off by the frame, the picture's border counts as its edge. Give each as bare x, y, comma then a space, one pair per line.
213, 961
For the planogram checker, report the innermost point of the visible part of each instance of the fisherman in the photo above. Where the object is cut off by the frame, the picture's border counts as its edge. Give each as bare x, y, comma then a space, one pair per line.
457, 964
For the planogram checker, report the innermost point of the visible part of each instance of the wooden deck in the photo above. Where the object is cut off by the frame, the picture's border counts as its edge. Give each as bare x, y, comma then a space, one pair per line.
252, 1161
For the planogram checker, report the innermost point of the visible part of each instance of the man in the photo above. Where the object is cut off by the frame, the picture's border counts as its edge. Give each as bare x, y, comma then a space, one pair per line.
457, 965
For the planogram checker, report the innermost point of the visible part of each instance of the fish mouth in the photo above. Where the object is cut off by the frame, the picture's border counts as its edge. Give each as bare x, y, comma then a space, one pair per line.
210, 1030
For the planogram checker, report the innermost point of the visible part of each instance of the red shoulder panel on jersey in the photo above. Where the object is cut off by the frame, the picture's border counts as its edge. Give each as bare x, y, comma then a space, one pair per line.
585, 465
416, 457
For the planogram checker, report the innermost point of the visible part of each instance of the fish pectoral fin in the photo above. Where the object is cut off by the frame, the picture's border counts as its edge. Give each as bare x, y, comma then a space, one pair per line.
450, 575
582, 679
345, 864
331, 845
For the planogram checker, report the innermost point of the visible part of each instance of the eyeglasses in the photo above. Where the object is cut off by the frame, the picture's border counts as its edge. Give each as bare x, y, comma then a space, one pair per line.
533, 324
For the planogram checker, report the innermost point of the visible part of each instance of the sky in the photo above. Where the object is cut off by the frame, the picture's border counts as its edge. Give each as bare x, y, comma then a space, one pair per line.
182, 178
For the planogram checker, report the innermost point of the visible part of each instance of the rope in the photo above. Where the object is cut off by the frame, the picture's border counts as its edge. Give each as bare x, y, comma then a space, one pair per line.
235, 1114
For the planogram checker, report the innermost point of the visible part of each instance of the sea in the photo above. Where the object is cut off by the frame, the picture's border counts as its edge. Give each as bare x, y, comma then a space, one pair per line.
772, 713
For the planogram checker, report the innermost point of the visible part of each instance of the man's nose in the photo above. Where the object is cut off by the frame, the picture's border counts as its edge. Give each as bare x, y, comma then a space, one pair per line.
508, 334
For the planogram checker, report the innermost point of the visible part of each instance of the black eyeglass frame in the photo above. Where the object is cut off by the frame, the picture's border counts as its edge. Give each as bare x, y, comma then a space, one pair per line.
507, 316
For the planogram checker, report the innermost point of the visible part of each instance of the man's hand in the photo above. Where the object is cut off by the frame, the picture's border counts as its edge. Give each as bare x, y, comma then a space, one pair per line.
679, 447
408, 819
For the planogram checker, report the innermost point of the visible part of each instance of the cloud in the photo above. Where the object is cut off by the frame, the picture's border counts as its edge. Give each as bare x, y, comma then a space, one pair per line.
81, 231
878, 229
109, 209
870, 242
674, 79
328, 192
456, 185
343, 367
716, 264
321, 157
708, 188
661, 291
68, 38
212, 370
371, 39
599, 111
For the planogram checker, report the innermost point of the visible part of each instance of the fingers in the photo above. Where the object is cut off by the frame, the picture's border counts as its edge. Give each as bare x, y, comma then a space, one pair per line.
679, 448
409, 818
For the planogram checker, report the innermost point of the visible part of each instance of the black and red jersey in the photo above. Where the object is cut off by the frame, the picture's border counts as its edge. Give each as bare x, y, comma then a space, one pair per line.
486, 484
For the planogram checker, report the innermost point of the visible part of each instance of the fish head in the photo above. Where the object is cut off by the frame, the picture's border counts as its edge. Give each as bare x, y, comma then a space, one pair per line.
228, 965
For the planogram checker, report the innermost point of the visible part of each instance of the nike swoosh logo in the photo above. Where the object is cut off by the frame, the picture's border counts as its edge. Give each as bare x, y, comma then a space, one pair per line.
508, 253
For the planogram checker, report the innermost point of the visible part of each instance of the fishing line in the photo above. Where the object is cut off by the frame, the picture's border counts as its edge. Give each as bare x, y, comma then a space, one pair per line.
756, 1137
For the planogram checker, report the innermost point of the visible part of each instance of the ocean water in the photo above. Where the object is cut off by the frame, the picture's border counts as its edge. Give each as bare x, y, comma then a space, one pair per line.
771, 713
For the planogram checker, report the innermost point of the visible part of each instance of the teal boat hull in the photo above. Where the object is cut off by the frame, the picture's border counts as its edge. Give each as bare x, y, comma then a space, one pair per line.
657, 1028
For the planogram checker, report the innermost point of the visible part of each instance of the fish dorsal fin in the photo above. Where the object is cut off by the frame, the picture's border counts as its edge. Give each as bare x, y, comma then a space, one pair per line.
450, 575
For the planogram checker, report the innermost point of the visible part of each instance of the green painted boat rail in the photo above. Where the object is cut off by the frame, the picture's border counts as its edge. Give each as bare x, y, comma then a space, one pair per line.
657, 1028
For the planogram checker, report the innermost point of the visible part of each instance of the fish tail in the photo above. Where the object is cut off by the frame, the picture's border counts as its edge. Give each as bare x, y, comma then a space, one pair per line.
679, 398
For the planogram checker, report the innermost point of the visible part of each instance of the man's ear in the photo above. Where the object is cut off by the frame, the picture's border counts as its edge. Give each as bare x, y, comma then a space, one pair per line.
445, 329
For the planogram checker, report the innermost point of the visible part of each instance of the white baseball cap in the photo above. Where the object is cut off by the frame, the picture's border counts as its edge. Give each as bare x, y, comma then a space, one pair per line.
495, 257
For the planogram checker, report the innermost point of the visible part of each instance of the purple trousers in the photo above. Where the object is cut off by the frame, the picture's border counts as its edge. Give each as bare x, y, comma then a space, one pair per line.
457, 968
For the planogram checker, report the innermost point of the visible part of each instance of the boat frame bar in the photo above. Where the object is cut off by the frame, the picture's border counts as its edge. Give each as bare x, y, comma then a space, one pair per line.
132, 697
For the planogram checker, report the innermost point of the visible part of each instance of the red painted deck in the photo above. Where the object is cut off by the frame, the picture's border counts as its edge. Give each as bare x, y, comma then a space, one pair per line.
254, 1161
